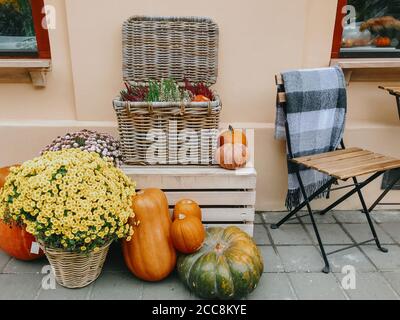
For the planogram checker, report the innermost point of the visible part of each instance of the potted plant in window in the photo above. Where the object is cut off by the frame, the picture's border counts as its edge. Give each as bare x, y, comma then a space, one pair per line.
75, 204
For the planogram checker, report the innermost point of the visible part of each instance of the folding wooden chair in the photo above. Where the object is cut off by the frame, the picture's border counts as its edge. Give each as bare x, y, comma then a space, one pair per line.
342, 164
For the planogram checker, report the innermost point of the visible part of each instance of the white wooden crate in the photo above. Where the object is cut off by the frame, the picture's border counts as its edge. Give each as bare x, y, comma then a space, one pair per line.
226, 197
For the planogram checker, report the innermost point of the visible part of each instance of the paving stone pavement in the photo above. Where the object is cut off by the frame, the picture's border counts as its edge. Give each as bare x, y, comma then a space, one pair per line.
292, 265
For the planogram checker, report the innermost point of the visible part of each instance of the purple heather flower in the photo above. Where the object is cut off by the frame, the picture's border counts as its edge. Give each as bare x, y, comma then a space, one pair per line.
91, 141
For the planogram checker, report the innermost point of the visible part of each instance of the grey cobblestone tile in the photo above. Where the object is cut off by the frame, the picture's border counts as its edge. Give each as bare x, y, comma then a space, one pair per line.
4, 259
61, 293
353, 257
258, 218
393, 229
172, 288
330, 234
386, 216
384, 261
300, 258
261, 235
290, 234
370, 286
316, 286
273, 286
394, 280
275, 217
20, 267
118, 286
319, 219
19, 286
272, 262
355, 216
362, 232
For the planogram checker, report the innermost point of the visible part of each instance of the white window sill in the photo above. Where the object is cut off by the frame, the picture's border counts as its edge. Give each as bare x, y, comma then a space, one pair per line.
25, 71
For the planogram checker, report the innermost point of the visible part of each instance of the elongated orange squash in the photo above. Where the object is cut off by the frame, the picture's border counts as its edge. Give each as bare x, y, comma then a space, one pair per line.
150, 255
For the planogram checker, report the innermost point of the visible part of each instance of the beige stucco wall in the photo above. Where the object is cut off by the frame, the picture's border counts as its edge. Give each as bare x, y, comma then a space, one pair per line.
258, 39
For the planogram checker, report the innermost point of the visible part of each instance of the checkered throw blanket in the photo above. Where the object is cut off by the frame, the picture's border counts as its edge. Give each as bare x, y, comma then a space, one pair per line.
316, 112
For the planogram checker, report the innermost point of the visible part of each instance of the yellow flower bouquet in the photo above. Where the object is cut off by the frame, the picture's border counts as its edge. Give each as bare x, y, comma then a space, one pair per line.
70, 200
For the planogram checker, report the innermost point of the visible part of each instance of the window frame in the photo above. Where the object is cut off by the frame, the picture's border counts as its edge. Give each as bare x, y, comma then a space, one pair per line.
338, 31
42, 34
338, 36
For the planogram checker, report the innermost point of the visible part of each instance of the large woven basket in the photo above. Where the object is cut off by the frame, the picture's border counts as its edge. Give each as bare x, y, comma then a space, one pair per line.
178, 48
76, 270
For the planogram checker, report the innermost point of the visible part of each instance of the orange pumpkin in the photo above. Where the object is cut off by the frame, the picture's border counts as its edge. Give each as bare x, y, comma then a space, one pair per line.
232, 156
14, 240
383, 42
188, 208
201, 98
150, 255
232, 152
233, 136
4, 172
17, 243
188, 234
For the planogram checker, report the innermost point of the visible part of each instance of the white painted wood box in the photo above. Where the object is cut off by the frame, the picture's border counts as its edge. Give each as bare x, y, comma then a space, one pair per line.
226, 197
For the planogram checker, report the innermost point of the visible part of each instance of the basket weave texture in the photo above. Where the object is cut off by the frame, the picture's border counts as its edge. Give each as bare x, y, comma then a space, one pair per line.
170, 48
76, 270
156, 48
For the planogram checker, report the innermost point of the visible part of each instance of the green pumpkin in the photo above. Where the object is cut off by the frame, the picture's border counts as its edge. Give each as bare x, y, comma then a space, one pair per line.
228, 266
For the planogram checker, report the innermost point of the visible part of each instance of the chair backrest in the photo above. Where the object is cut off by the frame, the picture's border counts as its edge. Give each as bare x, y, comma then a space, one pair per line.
282, 102
281, 93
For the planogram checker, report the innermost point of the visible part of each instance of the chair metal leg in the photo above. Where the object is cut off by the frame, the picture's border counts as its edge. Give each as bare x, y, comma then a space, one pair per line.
350, 193
357, 189
383, 195
327, 267
367, 214
303, 204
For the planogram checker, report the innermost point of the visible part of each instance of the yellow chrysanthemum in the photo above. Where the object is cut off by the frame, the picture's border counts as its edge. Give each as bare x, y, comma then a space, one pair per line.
72, 196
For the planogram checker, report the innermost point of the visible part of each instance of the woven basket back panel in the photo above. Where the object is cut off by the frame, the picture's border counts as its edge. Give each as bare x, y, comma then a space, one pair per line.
156, 48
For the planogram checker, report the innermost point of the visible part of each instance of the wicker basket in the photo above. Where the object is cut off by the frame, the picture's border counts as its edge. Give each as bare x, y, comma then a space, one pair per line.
76, 270
156, 48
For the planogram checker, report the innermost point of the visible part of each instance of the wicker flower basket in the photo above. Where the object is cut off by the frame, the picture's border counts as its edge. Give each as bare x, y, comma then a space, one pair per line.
178, 48
76, 270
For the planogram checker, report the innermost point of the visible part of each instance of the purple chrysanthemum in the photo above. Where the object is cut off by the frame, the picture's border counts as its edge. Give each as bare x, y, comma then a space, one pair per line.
102, 143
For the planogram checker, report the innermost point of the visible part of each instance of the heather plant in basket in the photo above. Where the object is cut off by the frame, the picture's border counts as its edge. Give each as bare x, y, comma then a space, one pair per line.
71, 200
166, 90
103, 144
199, 89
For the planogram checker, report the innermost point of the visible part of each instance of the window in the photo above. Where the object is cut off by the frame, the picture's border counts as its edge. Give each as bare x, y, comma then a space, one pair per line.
21, 31
367, 29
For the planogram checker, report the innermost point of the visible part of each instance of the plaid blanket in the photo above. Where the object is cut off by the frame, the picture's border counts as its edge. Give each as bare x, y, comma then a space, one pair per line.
316, 113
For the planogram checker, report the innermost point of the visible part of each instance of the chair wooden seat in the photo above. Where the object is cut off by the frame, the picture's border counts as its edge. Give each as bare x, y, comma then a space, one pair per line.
349, 163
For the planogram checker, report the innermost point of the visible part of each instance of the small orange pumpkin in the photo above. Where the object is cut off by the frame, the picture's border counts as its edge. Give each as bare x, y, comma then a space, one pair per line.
187, 234
233, 136
232, 156
188, 208
383, 42
201, 98
232, 153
